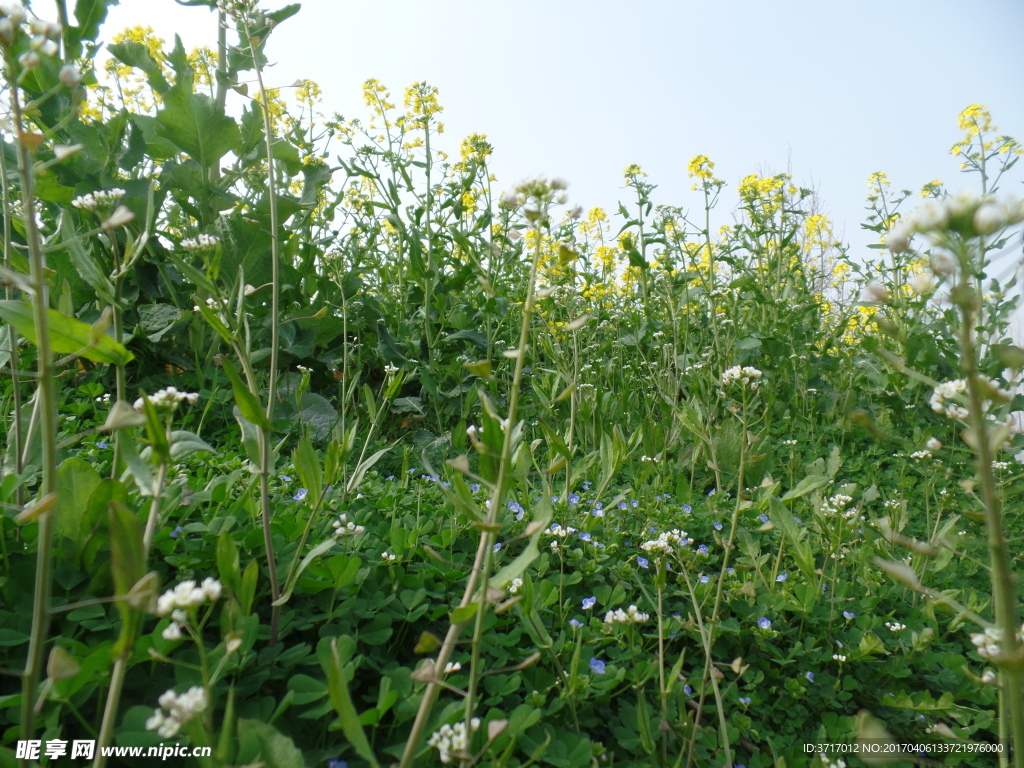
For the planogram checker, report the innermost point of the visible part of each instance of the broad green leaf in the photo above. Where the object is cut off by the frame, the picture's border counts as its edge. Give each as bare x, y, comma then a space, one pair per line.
127, 566
76, 480
194, 124
137, 55
67, 335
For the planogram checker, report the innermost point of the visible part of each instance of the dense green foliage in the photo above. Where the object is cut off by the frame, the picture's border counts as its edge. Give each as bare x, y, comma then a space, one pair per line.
416, 403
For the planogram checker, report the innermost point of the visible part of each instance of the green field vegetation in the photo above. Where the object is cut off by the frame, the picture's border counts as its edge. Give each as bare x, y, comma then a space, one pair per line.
325, 448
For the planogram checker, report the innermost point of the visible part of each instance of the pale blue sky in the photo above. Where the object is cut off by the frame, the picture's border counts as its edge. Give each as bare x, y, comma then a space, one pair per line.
580, 89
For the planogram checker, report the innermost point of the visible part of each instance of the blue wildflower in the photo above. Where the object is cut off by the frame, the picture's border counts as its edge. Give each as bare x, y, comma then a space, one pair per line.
622, 505
763, 518
718, 526
300, 495
497, 546
848, 615
335, 762
763, 623
687, 509
643, 562
589, 602
285, 478
585, 536
597, 665
702, 549
704, 578
810, 676
101, 446
634, 503
573, 499
782, 577
575, 623
688, 690
475, 487
177, 532
744, 700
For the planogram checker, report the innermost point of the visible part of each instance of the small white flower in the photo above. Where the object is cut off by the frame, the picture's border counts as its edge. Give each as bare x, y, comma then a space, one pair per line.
388, 557
452, 666
172, 632
933, 445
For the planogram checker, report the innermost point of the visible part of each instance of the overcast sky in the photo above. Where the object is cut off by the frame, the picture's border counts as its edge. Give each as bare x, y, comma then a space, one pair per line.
580, 89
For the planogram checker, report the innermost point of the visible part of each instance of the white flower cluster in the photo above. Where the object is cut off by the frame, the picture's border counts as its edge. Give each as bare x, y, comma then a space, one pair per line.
895, 626
515, 586
538, 187
834, 505
102, 198
167, 398
212, 304
965, 212
950, 390
987, 642
45, 34
560, 532
200, 243
452, 739
172, 631
188, 594
630, 616
179, 710
666, 542
387, 557
746, 375
345, 527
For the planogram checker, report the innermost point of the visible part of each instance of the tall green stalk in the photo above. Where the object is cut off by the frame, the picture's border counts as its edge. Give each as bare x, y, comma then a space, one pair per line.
47, 403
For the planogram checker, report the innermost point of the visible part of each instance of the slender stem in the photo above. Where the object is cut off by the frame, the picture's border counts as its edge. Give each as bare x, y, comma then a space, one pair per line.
266, 452
48, 404
12, 337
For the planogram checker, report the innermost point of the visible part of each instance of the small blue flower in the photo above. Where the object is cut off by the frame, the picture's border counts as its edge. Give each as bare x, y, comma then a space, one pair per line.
410, 470
285, 478
652, 529
688, 690
598, 505
730, 570
623, 505
554, 499
687, 509
589, 602
744, 700
763, 623
702, 549
599, 512
573, 499
445, 483
763, 518
390, 477
597, 666
782, 577
643, 562
712, 492
337, 763
497, 546
101, 446
300, 495
585, 536
634, 503
586, 485
718, 526
575, 623
514, 506
798, 520
521, 514
810, 677
848, 615
475, 487
704, 578
177, 532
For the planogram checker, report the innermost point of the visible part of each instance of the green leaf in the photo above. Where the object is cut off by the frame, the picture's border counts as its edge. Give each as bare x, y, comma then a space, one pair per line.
67, 335
127, 566
805, 486
197, 126
341, 700
464, 613
313, 554
87, 267
75, 483
136, 468
137, 55
246, 401
156, 320
387, 346
307, 465
262, 743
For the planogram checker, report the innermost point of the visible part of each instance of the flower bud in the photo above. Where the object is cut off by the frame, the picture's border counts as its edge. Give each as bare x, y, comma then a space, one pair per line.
897, 239
70, 76
922, 283
988, 218
29, 60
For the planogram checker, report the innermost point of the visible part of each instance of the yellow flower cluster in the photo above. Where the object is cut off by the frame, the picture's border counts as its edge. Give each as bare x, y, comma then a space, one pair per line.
308, 93
700, 167
765, 193
818, 233
421, 105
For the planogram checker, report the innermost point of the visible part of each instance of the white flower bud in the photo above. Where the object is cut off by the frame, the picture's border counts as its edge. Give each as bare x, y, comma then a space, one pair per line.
897, 239
988, 218
70, 76
922, 283
29, 60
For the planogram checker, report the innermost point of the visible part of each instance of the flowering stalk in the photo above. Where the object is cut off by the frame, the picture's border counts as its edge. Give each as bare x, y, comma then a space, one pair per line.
25, 141
540, 194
